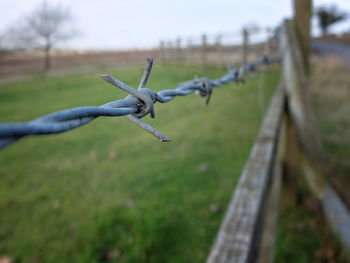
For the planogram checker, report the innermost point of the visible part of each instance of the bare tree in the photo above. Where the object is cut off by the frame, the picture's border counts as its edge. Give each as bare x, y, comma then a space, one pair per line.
44, 28
252, 28
4, 48
329, 15
2, 43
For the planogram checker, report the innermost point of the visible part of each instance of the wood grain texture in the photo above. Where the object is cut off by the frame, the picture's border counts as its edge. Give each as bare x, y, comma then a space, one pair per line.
270, 217
296, 83
240, 230
302, 25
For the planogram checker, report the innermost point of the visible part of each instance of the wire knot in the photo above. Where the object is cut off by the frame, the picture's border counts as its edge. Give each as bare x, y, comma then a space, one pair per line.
251, 67
206, 89
147, 98
238, 75
266, 60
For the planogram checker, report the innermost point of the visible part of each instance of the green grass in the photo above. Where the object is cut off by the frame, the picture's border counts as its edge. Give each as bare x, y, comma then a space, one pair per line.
299, 238
110, 185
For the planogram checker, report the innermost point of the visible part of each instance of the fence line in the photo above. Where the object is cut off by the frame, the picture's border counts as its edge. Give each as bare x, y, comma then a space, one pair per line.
210, 49
135, 106
286, 146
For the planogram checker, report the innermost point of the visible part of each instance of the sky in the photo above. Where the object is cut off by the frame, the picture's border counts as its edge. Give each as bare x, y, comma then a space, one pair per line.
125, 24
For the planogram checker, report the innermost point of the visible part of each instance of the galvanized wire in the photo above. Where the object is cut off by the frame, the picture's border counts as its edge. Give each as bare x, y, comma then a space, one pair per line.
138, 104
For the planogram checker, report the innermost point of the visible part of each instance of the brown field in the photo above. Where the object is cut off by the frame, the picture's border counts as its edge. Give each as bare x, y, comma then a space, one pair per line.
27, 62
23, 64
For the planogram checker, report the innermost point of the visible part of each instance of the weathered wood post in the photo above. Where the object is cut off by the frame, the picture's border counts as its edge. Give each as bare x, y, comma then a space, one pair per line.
204, 51
162, 51
245, 36
169, 51
299, 114
302, 20
220, 50
267, 42
178, 50
310, 159
189, 52
296, 45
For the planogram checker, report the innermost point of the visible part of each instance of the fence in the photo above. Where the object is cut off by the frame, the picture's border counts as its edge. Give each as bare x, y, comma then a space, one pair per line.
216, 49
224, 49
285, 146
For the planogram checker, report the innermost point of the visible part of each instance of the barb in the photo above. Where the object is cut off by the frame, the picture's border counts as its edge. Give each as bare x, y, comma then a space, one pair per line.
145, 95
136, 105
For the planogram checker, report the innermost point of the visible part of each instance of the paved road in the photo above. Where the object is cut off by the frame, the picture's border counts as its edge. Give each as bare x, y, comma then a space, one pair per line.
332, 48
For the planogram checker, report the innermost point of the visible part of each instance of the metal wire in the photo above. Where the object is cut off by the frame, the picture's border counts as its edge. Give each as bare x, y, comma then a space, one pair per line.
136, 105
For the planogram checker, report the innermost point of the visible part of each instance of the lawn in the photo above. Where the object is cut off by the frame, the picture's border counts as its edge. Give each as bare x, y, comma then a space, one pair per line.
109, 191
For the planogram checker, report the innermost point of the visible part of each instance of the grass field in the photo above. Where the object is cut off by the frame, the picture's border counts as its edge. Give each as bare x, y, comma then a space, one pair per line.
109, 191
331, 95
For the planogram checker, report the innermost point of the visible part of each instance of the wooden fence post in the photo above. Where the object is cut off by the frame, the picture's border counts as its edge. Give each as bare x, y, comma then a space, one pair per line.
245, 44
310, 156
178, 50
302, 20
292, 160
162, 51
189, 52
169, 51
220, 50
267, 45
204, 51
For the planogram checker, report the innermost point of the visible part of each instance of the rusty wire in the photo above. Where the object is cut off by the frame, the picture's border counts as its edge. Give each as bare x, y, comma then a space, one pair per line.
136, 105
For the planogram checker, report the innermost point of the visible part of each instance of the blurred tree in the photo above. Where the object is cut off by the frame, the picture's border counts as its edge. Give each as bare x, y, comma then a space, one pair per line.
3, 44
252, 28
329, 15
43, 28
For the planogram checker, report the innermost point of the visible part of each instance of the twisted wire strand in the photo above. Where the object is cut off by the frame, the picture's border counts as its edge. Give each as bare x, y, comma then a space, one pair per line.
135, 106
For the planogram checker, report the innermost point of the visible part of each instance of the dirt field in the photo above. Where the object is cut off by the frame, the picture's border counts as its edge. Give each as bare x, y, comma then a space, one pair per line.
23, 64
26, 62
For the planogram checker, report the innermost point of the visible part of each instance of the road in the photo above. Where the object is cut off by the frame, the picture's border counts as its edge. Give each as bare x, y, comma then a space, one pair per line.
332, 48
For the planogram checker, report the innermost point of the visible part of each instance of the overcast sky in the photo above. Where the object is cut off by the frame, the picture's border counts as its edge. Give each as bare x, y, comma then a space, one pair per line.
121, 24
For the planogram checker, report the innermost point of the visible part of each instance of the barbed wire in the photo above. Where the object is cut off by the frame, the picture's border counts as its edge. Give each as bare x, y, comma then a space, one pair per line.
136, 105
